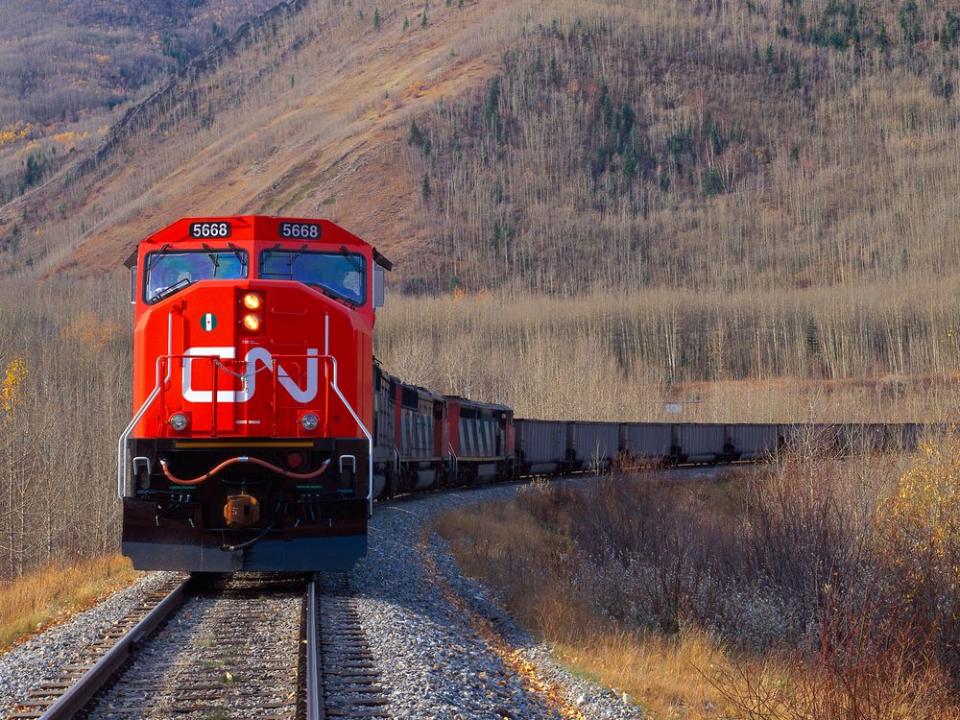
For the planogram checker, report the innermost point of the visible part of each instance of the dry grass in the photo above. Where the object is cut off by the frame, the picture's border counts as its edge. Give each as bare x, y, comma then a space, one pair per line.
50, 594
669, 677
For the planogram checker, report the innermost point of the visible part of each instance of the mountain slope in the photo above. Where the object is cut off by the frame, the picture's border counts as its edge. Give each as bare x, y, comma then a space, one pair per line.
557, 146
68, 66
721, 146
290, 118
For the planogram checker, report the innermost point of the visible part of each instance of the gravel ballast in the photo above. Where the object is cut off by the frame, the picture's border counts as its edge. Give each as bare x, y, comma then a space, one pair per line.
444, 648
445, 669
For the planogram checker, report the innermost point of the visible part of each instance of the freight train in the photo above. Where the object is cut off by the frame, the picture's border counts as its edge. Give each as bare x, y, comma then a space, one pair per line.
264, 429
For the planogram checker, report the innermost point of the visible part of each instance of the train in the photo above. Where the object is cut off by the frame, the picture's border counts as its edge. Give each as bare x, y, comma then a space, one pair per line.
264, 429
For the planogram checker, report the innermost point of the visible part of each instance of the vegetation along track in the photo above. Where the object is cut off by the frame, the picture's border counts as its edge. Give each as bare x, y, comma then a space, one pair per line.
245, 645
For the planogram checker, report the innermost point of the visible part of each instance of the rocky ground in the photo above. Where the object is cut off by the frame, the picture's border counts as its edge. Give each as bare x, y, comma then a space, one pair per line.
445, 650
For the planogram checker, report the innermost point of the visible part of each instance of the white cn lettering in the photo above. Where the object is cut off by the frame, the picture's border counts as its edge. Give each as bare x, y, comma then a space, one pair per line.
256, 360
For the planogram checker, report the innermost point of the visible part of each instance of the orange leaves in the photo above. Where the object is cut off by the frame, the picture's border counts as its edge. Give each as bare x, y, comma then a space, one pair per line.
919, 524
70, 138
89, 331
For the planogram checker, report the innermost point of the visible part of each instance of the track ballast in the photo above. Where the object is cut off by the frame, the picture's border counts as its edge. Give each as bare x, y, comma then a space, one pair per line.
266, 646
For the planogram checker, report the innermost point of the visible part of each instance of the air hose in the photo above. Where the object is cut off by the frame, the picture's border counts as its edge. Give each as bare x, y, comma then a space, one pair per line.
243, 459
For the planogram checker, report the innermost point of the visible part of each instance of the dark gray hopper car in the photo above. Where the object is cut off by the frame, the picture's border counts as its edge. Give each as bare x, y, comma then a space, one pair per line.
551, 446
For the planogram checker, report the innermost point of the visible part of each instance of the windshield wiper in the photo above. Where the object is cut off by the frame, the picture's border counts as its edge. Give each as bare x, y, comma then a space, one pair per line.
213, 258
330, 293
350, 258
156, 255
170, 290
241, 257
294, 255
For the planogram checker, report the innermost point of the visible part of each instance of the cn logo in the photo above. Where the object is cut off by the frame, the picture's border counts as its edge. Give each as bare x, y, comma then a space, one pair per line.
256, 361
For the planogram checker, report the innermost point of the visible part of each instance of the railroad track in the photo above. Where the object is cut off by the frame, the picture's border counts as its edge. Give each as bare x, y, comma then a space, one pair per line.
253, 646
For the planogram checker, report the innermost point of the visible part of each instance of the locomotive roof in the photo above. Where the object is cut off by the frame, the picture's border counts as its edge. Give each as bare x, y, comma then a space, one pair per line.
264, 228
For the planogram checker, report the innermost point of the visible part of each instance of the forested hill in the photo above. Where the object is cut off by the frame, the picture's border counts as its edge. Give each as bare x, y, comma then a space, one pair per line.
558, 146
68, 67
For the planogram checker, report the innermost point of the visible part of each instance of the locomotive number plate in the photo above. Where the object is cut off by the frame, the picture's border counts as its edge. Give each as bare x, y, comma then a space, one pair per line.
302, 231
209, 230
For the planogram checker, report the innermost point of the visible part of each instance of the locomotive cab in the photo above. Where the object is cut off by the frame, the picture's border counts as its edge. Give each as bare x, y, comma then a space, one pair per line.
250, 446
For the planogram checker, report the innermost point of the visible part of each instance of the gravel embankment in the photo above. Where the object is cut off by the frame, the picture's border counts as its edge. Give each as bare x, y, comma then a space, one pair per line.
444, 669
42, 657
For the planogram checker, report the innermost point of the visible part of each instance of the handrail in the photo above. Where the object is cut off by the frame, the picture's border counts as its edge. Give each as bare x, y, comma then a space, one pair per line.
363, 428
138, 416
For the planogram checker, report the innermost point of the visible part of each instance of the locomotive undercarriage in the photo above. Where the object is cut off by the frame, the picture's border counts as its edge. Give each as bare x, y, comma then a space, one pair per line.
247, 504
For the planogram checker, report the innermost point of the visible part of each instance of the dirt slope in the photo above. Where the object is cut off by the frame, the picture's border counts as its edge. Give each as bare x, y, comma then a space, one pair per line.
306, 114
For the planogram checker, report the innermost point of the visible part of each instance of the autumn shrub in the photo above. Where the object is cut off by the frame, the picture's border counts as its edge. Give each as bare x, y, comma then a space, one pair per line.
919, 539
833, 582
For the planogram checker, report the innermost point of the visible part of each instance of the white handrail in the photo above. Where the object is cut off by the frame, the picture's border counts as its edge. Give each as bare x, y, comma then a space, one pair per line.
125, 435
363, 428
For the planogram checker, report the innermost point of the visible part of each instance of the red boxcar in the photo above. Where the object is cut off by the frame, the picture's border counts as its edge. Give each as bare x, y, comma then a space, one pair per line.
480, 440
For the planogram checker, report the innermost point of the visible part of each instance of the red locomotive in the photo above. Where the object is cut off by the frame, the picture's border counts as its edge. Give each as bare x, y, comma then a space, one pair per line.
263, 429
251, 445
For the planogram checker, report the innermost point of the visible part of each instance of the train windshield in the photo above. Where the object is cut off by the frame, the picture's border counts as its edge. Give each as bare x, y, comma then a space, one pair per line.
341, 274
169, 272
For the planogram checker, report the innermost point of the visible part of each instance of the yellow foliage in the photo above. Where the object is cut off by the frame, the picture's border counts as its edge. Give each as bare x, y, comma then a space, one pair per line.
70, 138
10, 387
14, 133
920, 522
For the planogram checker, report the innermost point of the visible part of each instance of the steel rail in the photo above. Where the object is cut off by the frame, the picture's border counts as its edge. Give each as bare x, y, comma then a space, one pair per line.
93, 680
314, 686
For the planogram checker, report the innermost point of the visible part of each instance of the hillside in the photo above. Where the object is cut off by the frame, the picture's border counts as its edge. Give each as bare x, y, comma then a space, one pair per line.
67, 68
725, 146
679, 211
289, 117
754, 191
553, 146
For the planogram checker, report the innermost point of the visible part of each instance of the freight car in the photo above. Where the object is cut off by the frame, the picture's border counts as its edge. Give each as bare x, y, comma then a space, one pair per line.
546, 447
264, 429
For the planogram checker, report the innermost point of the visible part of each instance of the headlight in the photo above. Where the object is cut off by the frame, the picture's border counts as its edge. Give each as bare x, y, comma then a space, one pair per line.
251, 321
252, 301
179, 421
309, 422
